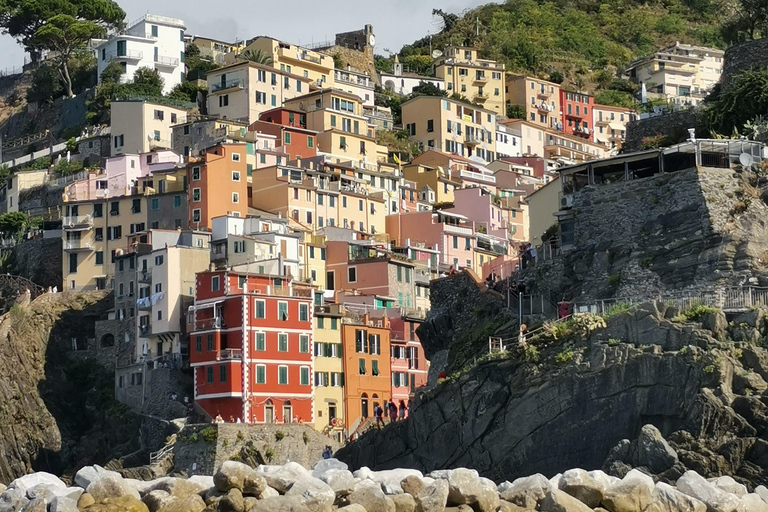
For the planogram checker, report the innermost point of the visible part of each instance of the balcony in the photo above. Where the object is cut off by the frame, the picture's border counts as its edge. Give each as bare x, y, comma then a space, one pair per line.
229, 354
159, 144
480, 96
145, 330
144, 304
478, 176
77, 245
145, 276
457, 230
543, 94
77, 222
166, 62
128, 55
544, 107
206, 324
227, 86
472, 140
480, 78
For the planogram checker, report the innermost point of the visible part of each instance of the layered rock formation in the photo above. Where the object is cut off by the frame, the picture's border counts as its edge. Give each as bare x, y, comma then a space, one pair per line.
577, 390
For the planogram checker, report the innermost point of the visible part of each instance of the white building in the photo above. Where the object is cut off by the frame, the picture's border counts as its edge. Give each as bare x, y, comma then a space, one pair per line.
154, 42
509, 141
403, 83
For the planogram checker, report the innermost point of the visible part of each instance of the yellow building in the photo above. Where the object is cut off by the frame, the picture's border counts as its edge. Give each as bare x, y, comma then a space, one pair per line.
540, 98
682, 74
450, 126
570, 149
342, 129
290, 58
314, 260
139, 126
328, 370
479, 80
435, 178
542, 206
610, 125
92, 231
216, 50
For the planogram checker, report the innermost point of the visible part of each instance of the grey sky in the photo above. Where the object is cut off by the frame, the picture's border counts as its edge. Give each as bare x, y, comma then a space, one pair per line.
395, 22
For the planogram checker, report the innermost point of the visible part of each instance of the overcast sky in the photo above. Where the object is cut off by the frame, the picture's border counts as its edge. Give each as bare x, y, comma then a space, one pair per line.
395, 22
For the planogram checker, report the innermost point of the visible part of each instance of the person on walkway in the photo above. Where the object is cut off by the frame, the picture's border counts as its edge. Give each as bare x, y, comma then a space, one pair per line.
532, 252
521, 337
327, 452
452, 271
401, 411
379, 412
219, 419
441, 377
392, 412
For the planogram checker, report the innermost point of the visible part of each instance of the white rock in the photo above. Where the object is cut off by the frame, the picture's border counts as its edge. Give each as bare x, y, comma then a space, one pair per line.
324, 465
63, 504
363, 474
111, 487
503, 486
633, 492
204, 481
142, 486
728, 484
669, 499
464, 487
526, 492
440, 474
369, 495
432, 498
390, 479
269, 493
555, 481
604, 479
282, 479
315, 494
89, 474
762, 491
717, 500
49, 492
752, 503
560, 501
578, 483
340, 480
41, 477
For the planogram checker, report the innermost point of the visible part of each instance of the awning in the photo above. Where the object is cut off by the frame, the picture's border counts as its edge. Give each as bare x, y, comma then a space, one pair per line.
446, 214
617, 126
205, 305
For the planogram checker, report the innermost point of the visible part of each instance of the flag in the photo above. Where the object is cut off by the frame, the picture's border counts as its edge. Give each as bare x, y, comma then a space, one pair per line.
396, 158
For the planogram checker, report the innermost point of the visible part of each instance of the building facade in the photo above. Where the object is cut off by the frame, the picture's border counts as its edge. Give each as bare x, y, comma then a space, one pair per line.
540, 98
480, 80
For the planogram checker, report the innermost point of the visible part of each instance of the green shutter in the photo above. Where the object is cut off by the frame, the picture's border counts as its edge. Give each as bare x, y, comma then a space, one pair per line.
375, 367
341, 381
362, 366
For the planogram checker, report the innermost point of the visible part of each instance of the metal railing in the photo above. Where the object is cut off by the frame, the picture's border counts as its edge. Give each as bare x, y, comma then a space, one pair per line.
209, 323
145, 276
229, 354
229, 84
162, 454
69, 221
167, 61
129, 54
71, 245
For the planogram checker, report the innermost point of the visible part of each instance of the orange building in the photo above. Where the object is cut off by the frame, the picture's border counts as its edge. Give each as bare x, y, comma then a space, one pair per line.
218, 184
367, 371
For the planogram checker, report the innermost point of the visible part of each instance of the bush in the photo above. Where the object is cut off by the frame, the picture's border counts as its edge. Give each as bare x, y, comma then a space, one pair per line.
694, 312
305, 437
566, 356
617, 308
210, 434
240, 436
269, 454
646, 262
531, 354
279, 435
614, 279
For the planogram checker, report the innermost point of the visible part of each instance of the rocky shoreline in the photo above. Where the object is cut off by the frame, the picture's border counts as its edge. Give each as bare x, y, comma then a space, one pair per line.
329, 486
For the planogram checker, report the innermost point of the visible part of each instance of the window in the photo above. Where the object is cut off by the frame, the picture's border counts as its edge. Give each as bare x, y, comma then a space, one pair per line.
342, 142
334, 324
235, 157
304, 343
282, 375
374, 347
282, 342
399, 273
114, 208
196, 193
374, 367
361, 366
100, 259
303, 313
304, 376
360, 205
215, 283
196, 215
159, 114
198, 344
210, 342
352, 274
455, 242
282, 311
224, 100
261, 97
320, 322
222, 373
261, 374
195, 173
177, 201
209, 376
261, 341
310, 141
287, 137
158, 260
235, 197
235, 175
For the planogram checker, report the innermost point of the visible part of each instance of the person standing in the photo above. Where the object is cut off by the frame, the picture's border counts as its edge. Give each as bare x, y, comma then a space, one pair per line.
379, 413
401, 411
392, 412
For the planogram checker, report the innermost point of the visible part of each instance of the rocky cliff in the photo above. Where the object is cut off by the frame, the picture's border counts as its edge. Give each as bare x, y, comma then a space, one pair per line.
576, 392
56, 409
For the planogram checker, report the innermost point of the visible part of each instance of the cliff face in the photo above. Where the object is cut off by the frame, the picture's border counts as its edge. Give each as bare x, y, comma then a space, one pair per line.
576, 391
56, 409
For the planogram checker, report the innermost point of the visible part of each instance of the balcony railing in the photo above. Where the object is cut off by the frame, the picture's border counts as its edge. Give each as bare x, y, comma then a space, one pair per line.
481, 78
457, 230
160, 143
311, 58
237, 83
472, 139
543, 93
481, 96
544, 107
286, 291
477, 176
206, 324
77, 245
145, 330
145, 276
74, 221
170, 62
229, 354
128, 55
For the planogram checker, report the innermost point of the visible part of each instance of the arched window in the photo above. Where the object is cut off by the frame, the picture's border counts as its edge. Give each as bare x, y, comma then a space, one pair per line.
108, 340
287, 412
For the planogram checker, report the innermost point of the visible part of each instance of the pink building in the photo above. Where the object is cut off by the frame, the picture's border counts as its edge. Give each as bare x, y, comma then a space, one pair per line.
482, 209
504, 265
408, 364
450, 233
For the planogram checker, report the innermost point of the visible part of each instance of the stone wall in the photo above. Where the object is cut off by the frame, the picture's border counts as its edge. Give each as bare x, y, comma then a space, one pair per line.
360, 61
94, 151
39, 260
744, 56
674, 125
154, 394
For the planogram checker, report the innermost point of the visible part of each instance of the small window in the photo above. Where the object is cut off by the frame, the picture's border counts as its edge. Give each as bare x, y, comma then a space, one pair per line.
261, 374
215, 283
352, 274
282, 342
260, 309
303, 313
261, 341
235, 157
235, 175
282, 375
304, 343
282, 311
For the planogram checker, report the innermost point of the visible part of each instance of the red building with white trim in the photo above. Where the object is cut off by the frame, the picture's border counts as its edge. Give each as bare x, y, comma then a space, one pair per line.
251, 347
577, 114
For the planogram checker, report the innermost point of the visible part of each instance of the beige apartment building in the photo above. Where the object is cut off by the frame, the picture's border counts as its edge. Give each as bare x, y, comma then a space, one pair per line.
682, 74
342, 129
244, 90
570, 149
216, 50
289, 58
532, 136
540, 98
451, 126
140, 126
610, 124
479, 80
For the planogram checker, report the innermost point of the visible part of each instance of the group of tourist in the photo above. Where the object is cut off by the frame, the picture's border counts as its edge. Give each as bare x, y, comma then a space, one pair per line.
396, 412
527, 256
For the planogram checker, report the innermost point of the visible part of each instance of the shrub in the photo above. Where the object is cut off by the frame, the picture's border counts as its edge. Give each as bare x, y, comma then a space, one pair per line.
646, 262
531, 354
269, 454
710, 368
210, 434
194, 437
305, 437
698, 310
578, 324
236, 457
613, 342
739, 207
614, 279
617, 308
566, 356
279, 435
240, 436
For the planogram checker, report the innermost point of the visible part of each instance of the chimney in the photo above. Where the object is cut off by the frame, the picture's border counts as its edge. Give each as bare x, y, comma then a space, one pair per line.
298, 161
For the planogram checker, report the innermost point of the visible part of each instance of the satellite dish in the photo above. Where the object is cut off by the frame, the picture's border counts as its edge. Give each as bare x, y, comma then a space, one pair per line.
436, 54
746, 160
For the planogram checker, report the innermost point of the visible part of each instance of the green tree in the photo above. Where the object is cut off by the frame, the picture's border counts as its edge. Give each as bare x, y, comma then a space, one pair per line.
421, 64
428, 89
12, 223
112, 73
338, 63
448, 20
257, 56
742, 99
749, 21
615, 98
45, 84
63, 35
556, 77
195, 61
22, 19
516, 111
187, 91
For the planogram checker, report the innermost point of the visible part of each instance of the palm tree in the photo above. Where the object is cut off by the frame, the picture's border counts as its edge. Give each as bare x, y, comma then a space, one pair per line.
257, 56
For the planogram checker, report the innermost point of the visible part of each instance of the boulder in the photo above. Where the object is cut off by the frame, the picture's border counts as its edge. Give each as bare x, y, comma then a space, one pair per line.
716, 500
190, 503
340, 480
111, 487
653, 451
284, 477
89, 474
762, 491
464, 487
390, 479
324, 465
269, 493
433, 497
752, 503
315, 494
142, 486
36, 505
560, 501
506, 506
370, 496
125, 503
728, 484
86, 500
583, 487
668, 499
63, 504
232, 501
279, 504
353, 508
48, 492
404, 502
412, 485
204, 481
363, 473
633, 492
488, 500
603, 479
236, 475
155, 500
178, 487
249, 502
526, 492
33, 479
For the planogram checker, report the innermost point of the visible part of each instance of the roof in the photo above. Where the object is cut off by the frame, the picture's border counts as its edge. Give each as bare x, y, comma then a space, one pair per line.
258, 66
541, 188
421, 97
448, 214
194, 38
328, 90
